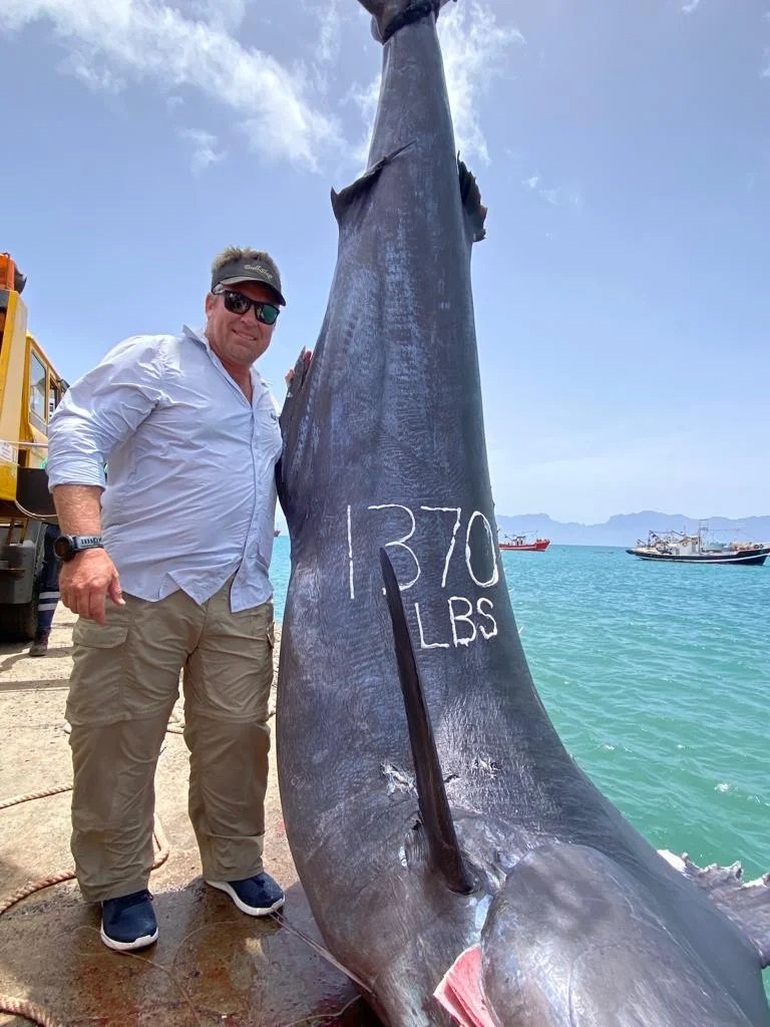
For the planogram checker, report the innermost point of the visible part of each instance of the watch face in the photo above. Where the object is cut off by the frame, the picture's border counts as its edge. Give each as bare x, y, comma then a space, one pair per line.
62, 547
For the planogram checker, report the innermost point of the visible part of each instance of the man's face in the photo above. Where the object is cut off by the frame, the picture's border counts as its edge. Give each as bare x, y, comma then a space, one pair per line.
238, 339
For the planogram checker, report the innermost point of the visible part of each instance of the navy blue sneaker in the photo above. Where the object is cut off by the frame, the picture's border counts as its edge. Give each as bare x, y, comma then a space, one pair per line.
257, 896
128, 922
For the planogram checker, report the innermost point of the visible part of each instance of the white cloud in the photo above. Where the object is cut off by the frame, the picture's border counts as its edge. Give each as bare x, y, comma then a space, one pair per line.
476, 50
558, 196
562, 196
690, 6
328, 45
204, 151
365, 99
147, 40
99, 80
195, 46
227, 15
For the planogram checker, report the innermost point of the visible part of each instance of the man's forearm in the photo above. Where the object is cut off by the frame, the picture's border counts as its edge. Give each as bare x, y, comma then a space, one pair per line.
79, 509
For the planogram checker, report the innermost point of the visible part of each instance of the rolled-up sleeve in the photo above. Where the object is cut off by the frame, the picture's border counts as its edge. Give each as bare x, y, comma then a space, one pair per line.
102, 409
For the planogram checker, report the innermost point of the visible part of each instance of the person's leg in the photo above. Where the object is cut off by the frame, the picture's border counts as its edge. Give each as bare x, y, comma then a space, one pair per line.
227, 684
124, 683
48, 596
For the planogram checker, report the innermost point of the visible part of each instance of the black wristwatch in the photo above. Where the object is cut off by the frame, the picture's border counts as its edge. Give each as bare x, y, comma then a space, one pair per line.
67, 546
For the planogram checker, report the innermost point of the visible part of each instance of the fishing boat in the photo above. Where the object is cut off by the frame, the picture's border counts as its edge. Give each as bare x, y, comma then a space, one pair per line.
519, 543
679, 547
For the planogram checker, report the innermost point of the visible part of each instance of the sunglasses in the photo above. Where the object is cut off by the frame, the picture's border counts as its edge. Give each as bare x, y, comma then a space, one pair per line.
239, 304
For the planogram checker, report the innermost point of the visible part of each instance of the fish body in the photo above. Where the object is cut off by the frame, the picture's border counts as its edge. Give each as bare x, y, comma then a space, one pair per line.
384, 449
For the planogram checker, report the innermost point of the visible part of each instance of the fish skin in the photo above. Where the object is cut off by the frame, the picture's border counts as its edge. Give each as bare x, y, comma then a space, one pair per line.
384, 422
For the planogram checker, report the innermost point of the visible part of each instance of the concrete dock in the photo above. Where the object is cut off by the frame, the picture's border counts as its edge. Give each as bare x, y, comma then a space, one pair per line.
211, 966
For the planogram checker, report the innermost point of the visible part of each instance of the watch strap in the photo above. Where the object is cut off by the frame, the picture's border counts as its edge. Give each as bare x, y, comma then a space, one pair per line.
86, 542
68, 546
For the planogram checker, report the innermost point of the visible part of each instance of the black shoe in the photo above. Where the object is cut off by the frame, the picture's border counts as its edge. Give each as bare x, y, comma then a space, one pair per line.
257, 896
128, 922
40, 646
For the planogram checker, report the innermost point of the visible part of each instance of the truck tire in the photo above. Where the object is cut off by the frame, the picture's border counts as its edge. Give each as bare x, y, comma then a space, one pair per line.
18, 621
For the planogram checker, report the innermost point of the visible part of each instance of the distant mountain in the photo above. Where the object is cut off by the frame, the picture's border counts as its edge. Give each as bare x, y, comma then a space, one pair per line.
625, 529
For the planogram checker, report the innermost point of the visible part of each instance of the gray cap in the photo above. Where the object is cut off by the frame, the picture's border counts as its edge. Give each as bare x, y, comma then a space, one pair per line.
249, 269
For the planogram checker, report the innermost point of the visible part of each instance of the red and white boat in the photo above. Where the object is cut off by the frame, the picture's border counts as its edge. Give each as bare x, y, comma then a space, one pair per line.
519, 543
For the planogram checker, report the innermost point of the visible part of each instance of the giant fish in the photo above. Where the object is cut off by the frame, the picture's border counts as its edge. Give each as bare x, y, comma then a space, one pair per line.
440, 829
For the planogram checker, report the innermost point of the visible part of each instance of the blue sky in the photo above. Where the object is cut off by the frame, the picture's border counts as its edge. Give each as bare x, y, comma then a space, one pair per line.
623, 150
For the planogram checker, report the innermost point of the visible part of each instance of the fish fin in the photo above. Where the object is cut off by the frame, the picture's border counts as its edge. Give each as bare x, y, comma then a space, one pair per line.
343, 199
295, 380
299, 372
461, 991
470, 194
747, 904
288, 419
431, 792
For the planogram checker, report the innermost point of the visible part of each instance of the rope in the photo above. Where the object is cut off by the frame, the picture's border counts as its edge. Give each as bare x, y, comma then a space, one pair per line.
28, 1010
324, 953
22, 1007
417, 10
36, 1014
31, 887
6, 803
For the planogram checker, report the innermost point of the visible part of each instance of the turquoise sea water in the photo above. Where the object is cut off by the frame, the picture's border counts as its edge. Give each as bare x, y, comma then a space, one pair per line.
657, 677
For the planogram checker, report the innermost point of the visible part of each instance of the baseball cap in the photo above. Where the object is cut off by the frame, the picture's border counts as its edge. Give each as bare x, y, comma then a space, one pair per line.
249, 269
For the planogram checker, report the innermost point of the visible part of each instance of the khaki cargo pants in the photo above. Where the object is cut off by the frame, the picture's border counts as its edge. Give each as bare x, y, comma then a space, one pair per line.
123, 687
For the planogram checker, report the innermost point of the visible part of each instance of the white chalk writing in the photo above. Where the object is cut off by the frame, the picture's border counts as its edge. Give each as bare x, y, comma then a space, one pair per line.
492, 546
464, 620
350, 556
452, 510
401, 542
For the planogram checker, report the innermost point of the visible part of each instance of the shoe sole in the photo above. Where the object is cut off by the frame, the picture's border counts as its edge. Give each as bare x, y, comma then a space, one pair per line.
128, 946
248, 910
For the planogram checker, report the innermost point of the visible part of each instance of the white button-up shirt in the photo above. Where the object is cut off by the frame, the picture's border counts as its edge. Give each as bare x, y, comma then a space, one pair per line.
191, 495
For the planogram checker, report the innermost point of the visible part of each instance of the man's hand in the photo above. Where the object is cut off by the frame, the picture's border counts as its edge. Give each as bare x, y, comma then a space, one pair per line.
86, 580
304, 362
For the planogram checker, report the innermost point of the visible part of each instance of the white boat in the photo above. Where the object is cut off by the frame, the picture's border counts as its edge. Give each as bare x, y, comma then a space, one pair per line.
679, 547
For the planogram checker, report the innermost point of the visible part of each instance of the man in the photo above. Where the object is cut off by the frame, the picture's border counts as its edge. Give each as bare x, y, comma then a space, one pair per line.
166, 562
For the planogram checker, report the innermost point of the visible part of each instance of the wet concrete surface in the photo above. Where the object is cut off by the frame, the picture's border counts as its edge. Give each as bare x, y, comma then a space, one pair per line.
211, 966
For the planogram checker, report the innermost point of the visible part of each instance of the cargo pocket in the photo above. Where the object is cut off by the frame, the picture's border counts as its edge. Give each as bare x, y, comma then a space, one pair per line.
263, 657
98, 671
99, 636
267, 702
